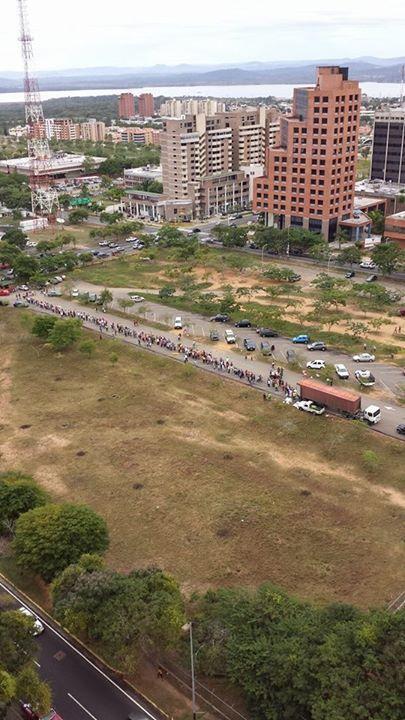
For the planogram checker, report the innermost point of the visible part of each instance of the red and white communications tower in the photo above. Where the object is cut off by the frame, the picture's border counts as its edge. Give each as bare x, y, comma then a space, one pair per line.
44, 196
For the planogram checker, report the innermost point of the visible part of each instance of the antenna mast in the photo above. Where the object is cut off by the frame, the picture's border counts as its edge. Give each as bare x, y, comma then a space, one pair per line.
44, 197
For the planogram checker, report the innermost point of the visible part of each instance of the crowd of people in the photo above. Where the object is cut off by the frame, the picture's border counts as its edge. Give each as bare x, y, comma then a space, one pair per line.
150, 340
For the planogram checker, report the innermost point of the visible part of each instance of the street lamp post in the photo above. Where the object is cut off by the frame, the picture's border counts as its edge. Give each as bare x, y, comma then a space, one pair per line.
188, 627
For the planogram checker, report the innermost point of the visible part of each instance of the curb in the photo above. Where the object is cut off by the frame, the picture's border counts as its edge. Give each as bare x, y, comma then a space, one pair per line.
99, 661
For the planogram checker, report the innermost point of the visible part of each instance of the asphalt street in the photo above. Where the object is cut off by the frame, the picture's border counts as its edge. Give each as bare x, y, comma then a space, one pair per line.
198, 327
80, 689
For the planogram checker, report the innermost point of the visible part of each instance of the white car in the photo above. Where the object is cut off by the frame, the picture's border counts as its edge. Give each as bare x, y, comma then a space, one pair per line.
38, 627
341, 371
178, 323
368, 264
136, 298
309, 406
75, 293
31, 243
364, 377
103, 243
316, 364
364, 357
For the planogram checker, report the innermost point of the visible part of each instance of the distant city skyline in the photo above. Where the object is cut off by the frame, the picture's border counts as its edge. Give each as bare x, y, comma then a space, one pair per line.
97, 34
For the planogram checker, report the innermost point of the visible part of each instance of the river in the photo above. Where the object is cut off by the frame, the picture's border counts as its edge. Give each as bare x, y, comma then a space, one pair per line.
372, 89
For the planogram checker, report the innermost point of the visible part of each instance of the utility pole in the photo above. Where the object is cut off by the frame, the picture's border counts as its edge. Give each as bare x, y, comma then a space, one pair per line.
188, 627
44, 197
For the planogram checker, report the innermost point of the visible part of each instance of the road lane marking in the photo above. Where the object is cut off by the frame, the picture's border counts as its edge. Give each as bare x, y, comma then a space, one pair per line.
86, 659
81, 706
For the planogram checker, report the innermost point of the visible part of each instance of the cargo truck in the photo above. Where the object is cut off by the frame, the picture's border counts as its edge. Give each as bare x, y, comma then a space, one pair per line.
341, 401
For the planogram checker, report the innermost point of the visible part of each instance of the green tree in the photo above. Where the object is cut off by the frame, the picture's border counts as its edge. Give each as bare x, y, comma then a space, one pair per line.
15, 237
18, 676
341, 237
17, 496
121, 613
125, 304
350, 255
78, 216
388, 257
166, 291
65, 333
42, 326
106, 297
49, 538
87, 347
25, 267
378, 221
170, 236
227, 303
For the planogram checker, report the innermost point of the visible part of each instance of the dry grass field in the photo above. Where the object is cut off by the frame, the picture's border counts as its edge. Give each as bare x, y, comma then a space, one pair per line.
200, 476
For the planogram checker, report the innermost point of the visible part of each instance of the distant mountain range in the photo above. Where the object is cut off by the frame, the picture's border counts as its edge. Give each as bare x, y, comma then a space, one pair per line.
365, 69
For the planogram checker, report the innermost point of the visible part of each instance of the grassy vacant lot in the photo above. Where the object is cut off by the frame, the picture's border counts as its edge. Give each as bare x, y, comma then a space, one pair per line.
200, 476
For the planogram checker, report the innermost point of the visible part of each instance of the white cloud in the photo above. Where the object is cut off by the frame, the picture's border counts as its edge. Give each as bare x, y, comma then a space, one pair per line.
130, 33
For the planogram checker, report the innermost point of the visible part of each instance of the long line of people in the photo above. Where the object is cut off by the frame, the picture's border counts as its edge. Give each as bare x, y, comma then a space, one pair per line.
150, 340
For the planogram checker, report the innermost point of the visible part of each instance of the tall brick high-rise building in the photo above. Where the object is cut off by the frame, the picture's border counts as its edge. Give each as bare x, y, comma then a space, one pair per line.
126, 105
146, 105
311, 172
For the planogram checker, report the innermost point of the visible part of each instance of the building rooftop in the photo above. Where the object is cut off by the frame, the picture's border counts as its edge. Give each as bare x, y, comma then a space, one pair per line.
398, 215
59, 163
379, 187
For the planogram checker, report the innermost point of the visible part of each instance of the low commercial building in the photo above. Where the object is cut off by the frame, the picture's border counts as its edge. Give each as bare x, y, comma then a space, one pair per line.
135, 177
61, 165
152, 206
395, 228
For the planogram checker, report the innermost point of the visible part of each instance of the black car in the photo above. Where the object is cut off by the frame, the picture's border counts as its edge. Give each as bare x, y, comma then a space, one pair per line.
267, 332
401, 429
294, 278
350, 274
196, 230
249, 345
220, 318
243, 324
372, 278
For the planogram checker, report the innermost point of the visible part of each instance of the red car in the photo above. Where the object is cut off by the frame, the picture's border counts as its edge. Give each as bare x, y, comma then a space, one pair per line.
4, 266
29, 714
4, 292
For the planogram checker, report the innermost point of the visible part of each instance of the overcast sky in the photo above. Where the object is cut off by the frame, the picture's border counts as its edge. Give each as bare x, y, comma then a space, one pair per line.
134, 33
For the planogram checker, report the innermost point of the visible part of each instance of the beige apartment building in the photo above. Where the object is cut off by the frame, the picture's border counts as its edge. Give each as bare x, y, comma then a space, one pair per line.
178, 108
92, 130
66, 129
202, 156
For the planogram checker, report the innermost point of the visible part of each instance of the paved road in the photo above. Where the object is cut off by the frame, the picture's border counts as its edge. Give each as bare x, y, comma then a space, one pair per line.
80, 689
392, 414
389, 377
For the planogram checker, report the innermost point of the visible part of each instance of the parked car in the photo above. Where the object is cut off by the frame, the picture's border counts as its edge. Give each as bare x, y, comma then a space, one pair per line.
243, 324
230, 337
371, 278
249, 345
316, 364
401, 312
54, 293
317, 345
364, 357
341, 371
103, 243
137, 298
301, 339
214, 335
364, 377
220, 318
294, 278
30, 714
265, 347
38, 626
309, 406
267, 332
401, 429
4, 292
196, 230
20, 303
350, 274
178, 324
74, 293
368, 264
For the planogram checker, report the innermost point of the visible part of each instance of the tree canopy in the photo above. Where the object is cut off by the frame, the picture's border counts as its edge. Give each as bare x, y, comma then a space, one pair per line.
17, 496
49, 538
119, 612
388, 257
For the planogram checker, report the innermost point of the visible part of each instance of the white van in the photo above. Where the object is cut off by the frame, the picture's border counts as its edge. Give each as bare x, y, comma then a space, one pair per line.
372, 414
230, 337
178, 323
